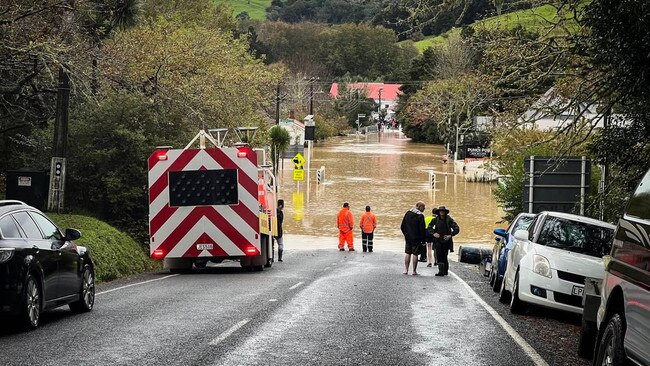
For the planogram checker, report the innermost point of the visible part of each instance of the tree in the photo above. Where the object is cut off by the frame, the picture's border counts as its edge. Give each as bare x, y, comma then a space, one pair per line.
280, 140
365, 51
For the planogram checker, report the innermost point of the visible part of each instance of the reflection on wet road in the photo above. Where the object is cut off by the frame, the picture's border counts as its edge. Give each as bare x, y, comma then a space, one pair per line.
390, 174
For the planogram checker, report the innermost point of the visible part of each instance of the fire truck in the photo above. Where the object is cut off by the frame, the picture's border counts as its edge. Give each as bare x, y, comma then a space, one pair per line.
210, 204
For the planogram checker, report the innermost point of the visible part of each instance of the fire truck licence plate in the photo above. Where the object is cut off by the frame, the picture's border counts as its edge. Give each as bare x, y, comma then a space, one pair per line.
578, 290
203, 246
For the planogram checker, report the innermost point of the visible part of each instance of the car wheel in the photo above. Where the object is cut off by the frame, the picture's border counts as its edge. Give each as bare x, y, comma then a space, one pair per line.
32, 303
492, 276
497, 284
516, 305
86, 294
587, 339
610, 350
504, 295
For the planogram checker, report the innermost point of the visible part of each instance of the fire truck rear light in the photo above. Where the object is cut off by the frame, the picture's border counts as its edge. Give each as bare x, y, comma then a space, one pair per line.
242, 154
251, 251
161, 156
157, 254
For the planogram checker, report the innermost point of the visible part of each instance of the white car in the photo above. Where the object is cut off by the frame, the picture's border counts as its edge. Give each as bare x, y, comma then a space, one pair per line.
548, 263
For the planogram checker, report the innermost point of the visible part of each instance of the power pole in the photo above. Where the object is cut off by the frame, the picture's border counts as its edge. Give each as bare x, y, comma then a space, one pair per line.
311, 96
277, 104
379, 109
60, 145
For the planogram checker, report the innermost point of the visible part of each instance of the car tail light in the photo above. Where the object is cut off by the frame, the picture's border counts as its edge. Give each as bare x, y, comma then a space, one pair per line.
6, 254
157, 254
251, 251
161, 155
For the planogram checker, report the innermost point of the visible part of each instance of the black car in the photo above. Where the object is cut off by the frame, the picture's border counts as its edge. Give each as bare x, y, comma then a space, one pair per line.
41, 268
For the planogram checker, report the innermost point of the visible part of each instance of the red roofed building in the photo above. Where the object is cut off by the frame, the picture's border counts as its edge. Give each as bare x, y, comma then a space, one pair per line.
389, 93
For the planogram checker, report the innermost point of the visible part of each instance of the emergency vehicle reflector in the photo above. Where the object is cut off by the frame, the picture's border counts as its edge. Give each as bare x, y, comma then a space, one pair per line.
204, 196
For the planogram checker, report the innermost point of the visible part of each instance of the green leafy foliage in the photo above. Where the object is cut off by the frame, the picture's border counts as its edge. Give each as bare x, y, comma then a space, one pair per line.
115, 253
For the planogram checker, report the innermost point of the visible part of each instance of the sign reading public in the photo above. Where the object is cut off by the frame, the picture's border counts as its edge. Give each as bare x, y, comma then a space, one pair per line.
477, 152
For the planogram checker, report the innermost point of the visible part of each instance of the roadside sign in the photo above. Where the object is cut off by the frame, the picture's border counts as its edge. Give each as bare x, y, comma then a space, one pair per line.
298, 161
24, 181
298, 174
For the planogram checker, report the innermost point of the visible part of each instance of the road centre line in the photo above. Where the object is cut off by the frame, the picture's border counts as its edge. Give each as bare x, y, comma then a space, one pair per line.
296, 286
527, 348
136, 284
228, 332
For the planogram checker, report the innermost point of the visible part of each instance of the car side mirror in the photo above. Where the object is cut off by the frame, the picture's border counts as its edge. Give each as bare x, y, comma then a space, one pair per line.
501, 232
521, 234
72, 234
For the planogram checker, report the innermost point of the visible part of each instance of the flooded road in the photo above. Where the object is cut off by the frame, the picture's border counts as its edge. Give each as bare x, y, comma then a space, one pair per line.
389, 173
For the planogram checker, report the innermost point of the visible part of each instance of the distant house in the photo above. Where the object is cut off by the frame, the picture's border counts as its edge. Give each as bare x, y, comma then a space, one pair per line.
554, 112
387, 94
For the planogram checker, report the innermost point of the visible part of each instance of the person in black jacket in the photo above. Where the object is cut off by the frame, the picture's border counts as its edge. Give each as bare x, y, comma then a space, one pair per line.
280, 216
444, 229
414, 232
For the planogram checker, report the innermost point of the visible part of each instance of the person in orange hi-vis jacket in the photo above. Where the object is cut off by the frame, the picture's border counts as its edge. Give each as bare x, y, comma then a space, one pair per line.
368, 224
345, 224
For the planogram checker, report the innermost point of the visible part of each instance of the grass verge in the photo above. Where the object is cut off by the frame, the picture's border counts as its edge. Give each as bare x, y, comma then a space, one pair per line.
115, 253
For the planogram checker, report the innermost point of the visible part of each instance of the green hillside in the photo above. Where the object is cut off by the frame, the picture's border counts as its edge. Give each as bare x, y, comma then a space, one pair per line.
256, 9
535, 18
115, 253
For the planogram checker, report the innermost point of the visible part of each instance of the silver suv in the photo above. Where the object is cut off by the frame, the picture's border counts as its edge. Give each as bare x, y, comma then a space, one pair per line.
624, 315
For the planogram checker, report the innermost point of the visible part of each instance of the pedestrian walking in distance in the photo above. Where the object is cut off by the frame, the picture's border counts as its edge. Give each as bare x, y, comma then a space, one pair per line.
368, 224
279, 239
444, 229
345, 224
414, 234
429, 239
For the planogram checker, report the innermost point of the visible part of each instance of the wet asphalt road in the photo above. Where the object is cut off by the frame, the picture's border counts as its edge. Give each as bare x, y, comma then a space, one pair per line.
320, 307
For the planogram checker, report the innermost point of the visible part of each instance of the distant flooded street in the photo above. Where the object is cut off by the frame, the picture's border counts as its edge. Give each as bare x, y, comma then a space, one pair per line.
390, 174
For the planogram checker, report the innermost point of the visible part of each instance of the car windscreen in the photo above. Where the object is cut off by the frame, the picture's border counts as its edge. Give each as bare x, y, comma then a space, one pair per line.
576, 236
523, 223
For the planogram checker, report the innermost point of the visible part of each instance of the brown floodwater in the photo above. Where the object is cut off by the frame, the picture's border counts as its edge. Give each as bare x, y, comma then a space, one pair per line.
390, 174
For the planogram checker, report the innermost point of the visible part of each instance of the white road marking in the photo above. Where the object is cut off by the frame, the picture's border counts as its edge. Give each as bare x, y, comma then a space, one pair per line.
326, 268
527, 348
229, 332
273, 300
296, 286
136, 284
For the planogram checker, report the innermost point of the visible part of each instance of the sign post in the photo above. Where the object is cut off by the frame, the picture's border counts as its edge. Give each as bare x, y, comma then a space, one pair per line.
298, 171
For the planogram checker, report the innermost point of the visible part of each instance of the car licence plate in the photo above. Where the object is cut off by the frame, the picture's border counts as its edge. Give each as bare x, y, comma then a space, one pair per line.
578, 290
204, 246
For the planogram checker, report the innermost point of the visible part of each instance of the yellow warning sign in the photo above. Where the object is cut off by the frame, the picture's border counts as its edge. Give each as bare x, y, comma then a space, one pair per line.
298, 174
298, 161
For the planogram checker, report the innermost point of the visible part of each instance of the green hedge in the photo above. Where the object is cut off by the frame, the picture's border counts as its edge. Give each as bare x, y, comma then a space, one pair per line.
115, 253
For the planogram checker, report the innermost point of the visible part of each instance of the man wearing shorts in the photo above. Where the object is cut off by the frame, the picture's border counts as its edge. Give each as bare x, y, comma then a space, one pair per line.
414, 234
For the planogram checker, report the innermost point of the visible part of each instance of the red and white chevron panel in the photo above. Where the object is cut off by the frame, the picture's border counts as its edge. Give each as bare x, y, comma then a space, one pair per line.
233, 230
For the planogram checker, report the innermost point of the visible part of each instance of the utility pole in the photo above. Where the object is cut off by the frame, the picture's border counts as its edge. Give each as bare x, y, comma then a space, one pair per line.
379, 109
311, 94
60, 146
277, 104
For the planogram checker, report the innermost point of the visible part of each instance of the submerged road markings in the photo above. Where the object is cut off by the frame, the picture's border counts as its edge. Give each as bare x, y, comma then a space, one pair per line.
296, 286
136, 284
229, 332
527, 348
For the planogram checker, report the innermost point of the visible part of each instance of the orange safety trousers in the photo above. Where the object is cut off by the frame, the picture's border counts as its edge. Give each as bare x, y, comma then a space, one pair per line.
346, 237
